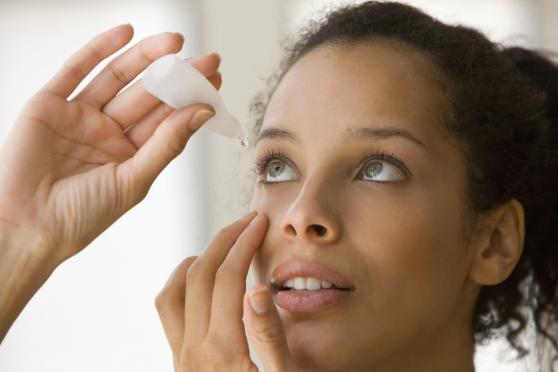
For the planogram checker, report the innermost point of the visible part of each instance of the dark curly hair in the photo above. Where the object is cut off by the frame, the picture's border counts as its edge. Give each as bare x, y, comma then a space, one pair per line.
502, 113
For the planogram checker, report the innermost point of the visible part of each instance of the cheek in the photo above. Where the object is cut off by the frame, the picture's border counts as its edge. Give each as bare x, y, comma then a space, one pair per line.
414, 256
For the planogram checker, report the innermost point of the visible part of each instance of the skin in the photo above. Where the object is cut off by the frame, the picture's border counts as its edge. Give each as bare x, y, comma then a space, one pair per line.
401, 243
71, 168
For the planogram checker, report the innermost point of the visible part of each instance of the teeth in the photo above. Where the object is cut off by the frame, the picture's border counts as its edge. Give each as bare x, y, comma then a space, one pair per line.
308, 284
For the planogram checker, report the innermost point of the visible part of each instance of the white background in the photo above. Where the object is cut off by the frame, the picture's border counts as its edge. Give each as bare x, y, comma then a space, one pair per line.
96, 312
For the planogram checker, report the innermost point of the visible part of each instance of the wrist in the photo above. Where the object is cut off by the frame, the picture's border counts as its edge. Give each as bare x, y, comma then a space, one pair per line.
24, 267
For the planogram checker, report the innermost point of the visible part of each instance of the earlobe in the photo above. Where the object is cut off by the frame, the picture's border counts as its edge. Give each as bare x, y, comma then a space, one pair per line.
499, 248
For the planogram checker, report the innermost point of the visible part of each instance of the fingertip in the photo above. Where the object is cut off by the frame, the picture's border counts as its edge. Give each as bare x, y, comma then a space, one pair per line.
200, 118
216, 80
181, 36
123, 33
124, 26
248, 217
130, 29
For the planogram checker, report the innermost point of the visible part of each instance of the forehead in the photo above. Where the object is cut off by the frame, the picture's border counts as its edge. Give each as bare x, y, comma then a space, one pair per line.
372, 84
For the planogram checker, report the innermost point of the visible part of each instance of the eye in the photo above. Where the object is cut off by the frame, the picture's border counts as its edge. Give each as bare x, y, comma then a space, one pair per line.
274, 166
384, 168
383, 171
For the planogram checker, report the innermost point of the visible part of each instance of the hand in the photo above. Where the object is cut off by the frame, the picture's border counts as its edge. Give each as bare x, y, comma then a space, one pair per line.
202, 305
70, 169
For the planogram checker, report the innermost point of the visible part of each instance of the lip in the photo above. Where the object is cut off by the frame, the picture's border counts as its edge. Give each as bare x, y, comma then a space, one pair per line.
305, 302
293, 268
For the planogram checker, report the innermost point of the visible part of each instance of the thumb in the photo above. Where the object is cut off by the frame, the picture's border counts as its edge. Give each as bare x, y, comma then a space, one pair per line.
266, 330
165, 144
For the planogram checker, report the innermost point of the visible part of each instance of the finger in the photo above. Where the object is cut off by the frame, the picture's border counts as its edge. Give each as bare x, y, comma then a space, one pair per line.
124, 68
230, 280
201, 277
216, 80
170, 305
82, 62
134, 102
136, 174
265, 328
140, 132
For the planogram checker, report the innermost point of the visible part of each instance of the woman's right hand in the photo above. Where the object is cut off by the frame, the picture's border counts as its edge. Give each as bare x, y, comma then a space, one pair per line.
70, 168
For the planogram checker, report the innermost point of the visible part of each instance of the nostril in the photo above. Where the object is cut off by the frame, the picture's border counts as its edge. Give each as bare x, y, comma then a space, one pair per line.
290, 230
319, 229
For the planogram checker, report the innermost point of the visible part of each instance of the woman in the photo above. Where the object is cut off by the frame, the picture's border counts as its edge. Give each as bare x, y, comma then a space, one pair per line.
404, 166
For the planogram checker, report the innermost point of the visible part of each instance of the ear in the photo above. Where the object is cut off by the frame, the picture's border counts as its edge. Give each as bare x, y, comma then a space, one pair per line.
499, 245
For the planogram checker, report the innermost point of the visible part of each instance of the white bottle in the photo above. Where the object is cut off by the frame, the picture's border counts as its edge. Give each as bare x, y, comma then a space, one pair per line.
179, 84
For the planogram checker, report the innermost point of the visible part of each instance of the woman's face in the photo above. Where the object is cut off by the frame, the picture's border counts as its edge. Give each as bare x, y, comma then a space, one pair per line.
394, 228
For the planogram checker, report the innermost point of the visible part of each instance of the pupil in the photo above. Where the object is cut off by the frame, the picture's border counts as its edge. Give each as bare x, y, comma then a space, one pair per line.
376, 168
275, 169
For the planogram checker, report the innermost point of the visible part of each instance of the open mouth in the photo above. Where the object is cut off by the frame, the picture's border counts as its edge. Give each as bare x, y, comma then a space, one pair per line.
311, 301
275, 288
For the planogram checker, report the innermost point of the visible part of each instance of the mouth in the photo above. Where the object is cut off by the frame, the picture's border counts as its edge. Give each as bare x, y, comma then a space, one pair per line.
275, 288
307, 276
311, 300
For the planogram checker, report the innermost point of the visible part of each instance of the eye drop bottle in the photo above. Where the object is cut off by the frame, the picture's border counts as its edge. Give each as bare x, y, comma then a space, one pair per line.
179, 84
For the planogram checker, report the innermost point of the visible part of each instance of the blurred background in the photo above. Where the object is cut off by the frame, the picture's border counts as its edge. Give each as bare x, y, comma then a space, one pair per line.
96, 312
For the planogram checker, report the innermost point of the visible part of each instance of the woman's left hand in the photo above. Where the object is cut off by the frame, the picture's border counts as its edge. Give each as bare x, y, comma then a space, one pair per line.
202, 306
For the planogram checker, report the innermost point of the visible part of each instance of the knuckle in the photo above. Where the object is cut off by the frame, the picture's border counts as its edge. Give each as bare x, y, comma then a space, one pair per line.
173, 148
197, 269
269, 334
167, 110
161, 300
95, 52
189, 261
74, 70
118, 73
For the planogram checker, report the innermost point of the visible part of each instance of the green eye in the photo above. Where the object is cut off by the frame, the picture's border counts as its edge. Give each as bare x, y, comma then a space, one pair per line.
387, 172
276, 168
374, 169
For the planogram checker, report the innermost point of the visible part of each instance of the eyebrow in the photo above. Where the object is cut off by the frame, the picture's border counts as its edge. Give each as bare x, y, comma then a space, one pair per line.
351, 134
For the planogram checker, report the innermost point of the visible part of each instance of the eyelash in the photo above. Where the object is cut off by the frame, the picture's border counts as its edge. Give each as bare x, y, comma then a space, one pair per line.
261, 162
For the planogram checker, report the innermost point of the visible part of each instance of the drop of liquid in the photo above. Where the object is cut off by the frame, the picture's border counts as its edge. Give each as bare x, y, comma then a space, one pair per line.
244, 141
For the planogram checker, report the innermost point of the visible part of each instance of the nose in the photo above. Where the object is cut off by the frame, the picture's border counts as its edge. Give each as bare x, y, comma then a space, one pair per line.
311, 217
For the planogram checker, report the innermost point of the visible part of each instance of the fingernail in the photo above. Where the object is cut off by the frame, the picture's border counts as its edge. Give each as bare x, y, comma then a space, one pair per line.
200, 118
260, 300
218, 56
